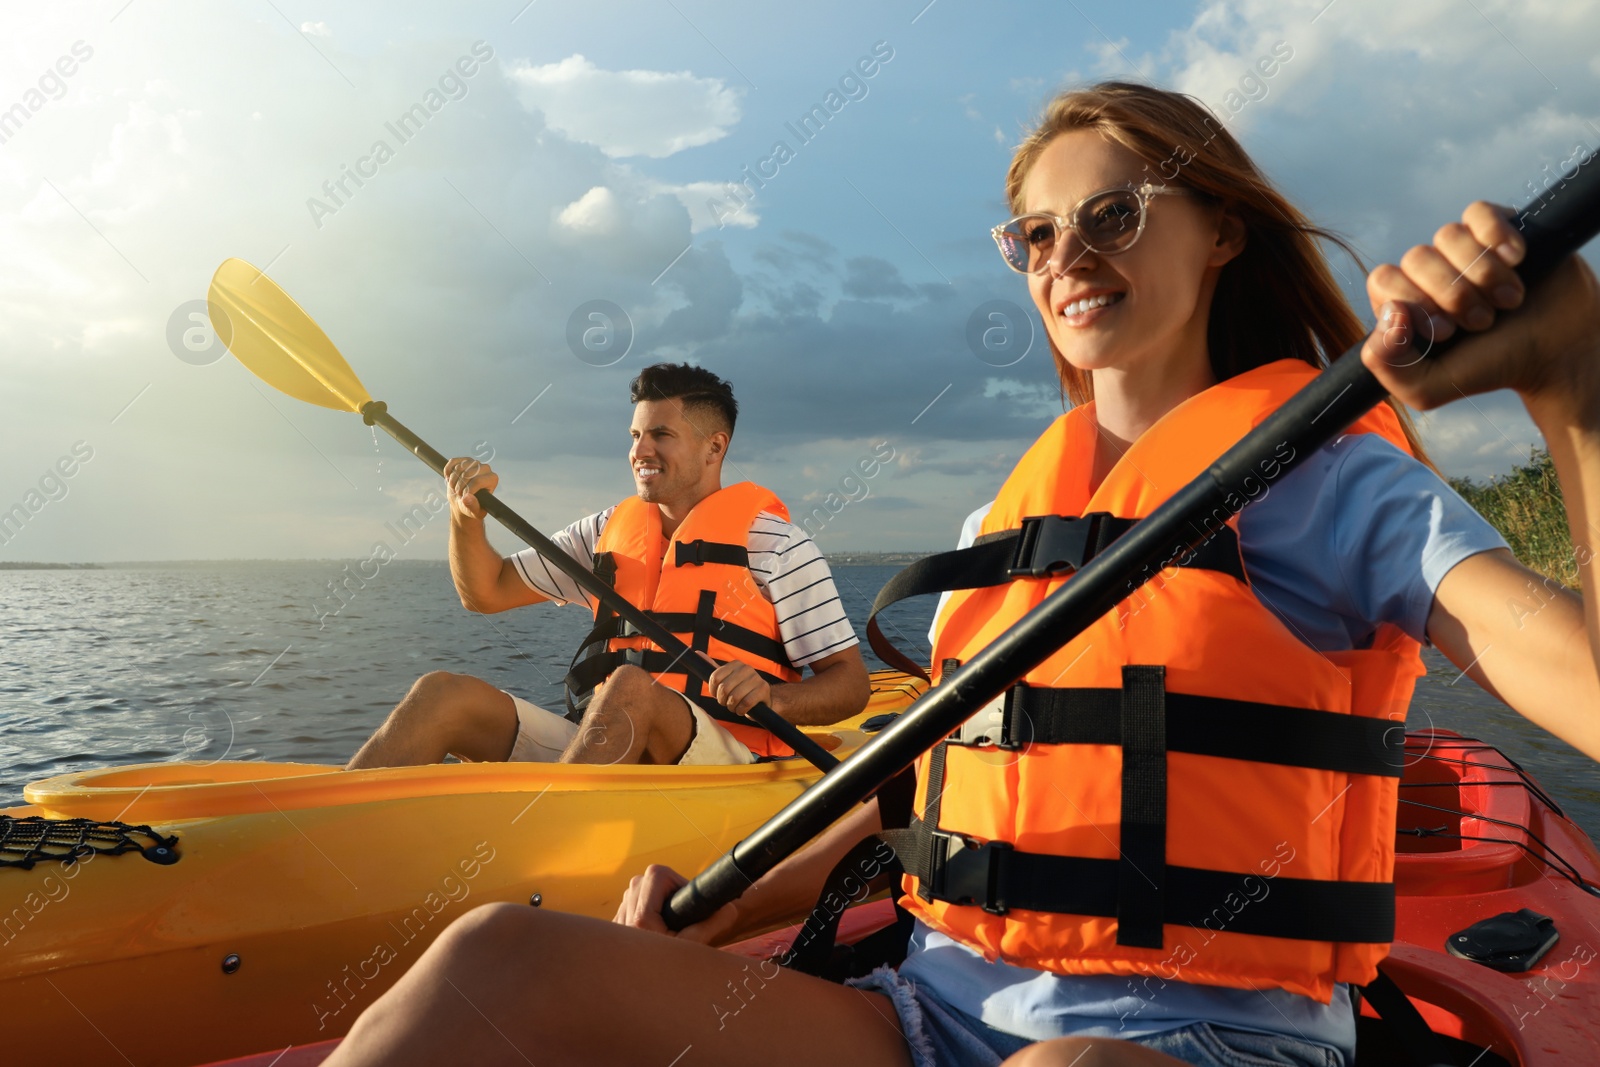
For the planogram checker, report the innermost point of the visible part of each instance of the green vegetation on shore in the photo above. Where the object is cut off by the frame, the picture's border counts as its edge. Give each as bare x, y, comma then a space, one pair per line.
1526, 507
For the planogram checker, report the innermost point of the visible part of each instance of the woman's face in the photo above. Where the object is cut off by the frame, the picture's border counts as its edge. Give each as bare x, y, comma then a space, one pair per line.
1159, 290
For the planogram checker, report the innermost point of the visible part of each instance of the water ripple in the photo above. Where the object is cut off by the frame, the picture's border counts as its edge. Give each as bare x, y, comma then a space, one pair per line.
186, 664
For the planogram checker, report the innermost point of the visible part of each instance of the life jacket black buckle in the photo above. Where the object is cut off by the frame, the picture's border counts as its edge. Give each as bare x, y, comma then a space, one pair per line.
1053, 544
690, 553
966, 872
994, 724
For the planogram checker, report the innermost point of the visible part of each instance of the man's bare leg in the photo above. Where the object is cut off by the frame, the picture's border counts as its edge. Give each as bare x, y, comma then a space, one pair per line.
509, 984
632, 719
443, 713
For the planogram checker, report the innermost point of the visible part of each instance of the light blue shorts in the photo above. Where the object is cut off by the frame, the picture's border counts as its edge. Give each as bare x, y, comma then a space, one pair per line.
940, 1035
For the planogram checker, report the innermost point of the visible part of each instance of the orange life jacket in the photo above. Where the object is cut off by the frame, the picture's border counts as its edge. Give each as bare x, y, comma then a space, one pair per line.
1186, 789
698, 585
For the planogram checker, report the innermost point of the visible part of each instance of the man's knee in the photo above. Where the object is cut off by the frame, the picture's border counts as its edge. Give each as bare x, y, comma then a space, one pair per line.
629, 680
441, 687
628, 693
440, 696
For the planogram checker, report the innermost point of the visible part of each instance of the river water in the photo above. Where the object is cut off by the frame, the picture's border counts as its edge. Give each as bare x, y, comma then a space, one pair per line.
249, 660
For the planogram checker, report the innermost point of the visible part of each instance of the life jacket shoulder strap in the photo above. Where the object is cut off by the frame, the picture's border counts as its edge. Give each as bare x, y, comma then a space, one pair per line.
698, 553
1046, 546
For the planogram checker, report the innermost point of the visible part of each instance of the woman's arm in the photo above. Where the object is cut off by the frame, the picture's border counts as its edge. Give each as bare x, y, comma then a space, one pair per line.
1524, 640
1533, 644
785, 893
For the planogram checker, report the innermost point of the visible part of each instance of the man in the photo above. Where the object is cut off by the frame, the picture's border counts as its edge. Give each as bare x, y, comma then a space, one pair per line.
722, 568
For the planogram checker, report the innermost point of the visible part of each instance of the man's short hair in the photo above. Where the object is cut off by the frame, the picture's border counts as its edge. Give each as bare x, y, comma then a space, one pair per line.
706, 398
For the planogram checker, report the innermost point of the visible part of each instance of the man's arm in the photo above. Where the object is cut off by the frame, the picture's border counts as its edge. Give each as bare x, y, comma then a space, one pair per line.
837, 689
485, 582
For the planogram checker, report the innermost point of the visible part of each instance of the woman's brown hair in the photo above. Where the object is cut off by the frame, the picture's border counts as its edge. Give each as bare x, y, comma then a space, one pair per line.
1277, 299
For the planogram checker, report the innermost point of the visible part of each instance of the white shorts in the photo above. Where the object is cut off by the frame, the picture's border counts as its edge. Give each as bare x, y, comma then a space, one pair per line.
543, 735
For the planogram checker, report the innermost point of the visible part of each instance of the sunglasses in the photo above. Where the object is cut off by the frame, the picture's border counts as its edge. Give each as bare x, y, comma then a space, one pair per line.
1106, 223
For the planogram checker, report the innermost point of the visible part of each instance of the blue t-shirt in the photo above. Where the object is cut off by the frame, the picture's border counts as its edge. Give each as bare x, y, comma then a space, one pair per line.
1359, 534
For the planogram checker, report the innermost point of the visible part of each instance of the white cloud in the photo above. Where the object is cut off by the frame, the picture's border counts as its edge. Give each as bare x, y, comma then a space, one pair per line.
1035, 399
594, 214
627, 112
713, 205
315, 29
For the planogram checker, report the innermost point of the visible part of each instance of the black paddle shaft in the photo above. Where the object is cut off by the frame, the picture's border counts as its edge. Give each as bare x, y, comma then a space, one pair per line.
1555, 225
376, 413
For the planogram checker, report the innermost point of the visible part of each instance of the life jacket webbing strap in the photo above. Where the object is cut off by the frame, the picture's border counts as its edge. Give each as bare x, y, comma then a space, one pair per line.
930, 803
815, 949
1210, 726
698, 553
1406, 1024
684, 622
1141, 876
1045, 546
957, 869
700, 638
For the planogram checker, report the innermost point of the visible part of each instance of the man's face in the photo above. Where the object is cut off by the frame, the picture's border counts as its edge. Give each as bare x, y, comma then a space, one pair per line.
670, 453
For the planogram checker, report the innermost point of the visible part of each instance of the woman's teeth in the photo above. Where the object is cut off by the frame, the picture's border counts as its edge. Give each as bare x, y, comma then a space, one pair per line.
1088, 303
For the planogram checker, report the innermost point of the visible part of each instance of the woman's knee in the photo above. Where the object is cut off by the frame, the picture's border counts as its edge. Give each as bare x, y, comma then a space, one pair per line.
1080, 1052
489, 930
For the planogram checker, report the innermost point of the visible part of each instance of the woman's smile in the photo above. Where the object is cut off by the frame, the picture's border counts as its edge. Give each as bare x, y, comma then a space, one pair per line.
1087, 307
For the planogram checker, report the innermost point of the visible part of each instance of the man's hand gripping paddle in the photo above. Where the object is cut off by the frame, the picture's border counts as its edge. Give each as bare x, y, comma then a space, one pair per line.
280, 344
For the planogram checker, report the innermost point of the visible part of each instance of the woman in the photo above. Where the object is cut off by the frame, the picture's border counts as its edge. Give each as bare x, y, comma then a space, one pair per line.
1168, 275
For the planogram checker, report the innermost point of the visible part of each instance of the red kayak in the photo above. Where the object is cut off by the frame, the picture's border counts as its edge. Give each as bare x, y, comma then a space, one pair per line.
1478, 838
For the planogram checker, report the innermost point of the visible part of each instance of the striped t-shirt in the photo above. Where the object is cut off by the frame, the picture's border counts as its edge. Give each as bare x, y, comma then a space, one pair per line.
787, 566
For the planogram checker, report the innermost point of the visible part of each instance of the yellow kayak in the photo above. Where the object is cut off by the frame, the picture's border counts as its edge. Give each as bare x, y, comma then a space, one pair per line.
300, 892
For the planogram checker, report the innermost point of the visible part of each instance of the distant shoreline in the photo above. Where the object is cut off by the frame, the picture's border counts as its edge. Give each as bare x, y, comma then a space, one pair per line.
837, 559
23, 565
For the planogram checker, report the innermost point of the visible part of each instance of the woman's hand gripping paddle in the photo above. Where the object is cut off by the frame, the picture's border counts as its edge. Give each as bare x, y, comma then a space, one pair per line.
280, 344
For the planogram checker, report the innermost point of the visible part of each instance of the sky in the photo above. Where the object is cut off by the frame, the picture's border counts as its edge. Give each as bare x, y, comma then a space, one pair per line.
541, 204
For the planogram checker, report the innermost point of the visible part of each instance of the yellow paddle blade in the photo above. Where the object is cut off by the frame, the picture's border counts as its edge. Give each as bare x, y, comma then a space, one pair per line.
274, 337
